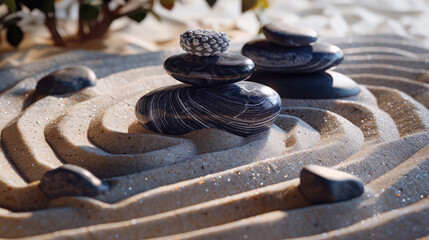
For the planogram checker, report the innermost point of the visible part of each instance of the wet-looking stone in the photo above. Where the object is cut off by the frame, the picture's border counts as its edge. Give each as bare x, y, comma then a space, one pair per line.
324, 185
66, 80
71, 180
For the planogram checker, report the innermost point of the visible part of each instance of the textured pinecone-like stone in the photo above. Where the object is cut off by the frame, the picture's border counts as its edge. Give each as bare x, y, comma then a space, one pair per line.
202, 42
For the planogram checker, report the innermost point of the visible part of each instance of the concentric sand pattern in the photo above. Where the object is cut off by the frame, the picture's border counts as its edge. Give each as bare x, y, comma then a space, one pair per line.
210, 182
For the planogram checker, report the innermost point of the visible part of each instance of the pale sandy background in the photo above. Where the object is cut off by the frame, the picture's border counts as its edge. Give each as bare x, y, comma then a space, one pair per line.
329, 17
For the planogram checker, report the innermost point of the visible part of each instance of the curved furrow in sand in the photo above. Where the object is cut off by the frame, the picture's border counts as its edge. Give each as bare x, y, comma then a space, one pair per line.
15, 193
409, 115
386, 60
376, 125
409, 219
375, 39
160, 199
398, 45
320, 219
415, 89
206, 188
282, 196
385, 70
68, 137
23, 138
364, 51
346, 139
110, 132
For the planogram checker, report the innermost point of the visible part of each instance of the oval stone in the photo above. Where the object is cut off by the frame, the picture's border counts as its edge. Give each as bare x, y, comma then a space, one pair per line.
324, 185
66, 80
272, 57
71, 180
243, 108
323, 85
289, 35
209, 71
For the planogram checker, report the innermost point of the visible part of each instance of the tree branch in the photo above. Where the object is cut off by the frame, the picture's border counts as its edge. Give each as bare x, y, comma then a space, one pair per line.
51, 24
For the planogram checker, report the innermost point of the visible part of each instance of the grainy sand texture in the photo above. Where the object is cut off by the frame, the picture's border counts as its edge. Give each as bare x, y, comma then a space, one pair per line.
211, 184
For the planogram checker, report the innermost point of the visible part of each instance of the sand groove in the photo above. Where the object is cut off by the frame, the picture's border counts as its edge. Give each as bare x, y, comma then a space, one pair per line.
209, 182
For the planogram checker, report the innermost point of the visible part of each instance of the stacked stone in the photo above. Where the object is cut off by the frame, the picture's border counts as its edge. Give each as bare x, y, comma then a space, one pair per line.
291, 61
213, 94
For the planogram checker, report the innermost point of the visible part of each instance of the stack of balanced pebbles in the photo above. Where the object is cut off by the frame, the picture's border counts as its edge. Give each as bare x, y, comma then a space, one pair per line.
213, 94
291, 61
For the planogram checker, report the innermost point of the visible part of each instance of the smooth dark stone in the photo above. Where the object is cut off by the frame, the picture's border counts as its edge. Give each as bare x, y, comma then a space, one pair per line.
209, 71
243, 108
324, 85
324, 185
289, 35
66, 80
71, 180
272, 57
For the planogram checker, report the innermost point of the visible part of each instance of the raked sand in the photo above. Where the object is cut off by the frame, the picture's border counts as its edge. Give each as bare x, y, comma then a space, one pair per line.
209, 183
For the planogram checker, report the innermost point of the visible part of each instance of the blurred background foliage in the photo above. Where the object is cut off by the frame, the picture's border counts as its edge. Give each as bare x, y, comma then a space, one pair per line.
94, 17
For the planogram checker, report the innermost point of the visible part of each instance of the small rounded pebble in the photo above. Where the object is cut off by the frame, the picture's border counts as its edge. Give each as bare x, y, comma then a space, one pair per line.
66, 80
202, 42
324, 185
209, 71
289, 35
71, 180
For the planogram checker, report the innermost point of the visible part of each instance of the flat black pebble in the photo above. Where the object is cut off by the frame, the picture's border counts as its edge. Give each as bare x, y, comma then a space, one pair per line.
289, 35
209, 71
71, 180
324, 185
323, 85
243, 108
66, 80
272, 57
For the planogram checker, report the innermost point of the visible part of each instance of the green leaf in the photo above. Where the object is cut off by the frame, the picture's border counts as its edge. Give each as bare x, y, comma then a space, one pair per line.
88, 12
14, 35
138, 16
169, 4
10, 4
211, 2
248, 4
47, 6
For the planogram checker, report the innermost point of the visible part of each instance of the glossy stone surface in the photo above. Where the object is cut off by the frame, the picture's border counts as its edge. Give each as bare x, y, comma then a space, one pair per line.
71, 180
66, 80
324, 85
324, 185
243, 108
272, 57
204, 42
209, 71
289, 35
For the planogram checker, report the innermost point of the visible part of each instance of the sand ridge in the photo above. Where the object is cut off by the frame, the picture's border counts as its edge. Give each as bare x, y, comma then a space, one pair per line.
235, 187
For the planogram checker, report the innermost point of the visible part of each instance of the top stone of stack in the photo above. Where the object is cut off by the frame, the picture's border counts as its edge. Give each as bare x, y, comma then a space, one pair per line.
203, 42
289, 35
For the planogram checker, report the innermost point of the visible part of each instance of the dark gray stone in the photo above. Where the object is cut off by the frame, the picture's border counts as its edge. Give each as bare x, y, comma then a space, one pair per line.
243, 108
209, 71
324, 185
323, 85
66, 80
289, 35
272, 57
71, 180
